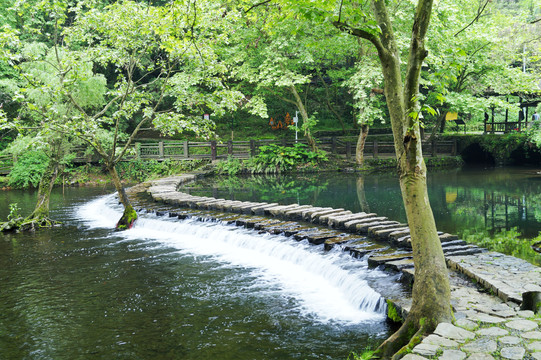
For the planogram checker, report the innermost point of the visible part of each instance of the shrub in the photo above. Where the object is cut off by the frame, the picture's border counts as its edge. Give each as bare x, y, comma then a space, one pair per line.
28, 169
231, 166
275, 158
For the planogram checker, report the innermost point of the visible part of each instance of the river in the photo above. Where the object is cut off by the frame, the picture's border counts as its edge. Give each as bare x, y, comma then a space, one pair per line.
172, 289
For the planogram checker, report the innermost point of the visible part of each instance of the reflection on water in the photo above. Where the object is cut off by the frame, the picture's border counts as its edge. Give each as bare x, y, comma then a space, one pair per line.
469, 201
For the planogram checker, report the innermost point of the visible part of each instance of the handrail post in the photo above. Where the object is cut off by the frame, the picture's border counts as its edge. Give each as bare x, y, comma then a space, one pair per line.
186, 149
230, 147
213, 154
160, 149
434, 148
348, 150
333, 145
454, 150
137, 151
375, 150
252, 148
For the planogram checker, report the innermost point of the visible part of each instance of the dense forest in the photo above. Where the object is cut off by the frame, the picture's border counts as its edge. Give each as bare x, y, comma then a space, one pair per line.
103, 70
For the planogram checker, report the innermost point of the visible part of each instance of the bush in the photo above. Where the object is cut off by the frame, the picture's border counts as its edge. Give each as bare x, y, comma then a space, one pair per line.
275, 158
28, 169
231, 166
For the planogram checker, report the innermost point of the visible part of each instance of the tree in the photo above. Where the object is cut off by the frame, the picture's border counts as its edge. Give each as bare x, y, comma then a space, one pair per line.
142, 66
478, 63
283, 55
364, 85
431, 292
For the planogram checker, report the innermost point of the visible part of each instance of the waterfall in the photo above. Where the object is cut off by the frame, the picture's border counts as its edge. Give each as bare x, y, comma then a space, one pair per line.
331, 286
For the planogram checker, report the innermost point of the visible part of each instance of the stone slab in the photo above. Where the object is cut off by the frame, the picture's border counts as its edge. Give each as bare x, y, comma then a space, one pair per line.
453, 332
513, 353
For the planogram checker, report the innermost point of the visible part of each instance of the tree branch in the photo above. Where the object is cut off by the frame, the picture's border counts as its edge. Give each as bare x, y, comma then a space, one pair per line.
417, 54
479, 13
342, 26
256, 5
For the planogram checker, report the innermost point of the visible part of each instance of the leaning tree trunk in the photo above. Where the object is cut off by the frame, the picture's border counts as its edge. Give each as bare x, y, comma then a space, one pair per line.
130, 215
439, 126
41, 211
361, 141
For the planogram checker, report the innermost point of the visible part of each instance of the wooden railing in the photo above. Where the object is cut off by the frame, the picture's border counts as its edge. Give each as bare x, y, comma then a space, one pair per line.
504, 127
190, 150
214, 150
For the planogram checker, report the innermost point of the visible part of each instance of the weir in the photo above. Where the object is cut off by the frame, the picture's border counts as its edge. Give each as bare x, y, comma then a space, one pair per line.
383, 242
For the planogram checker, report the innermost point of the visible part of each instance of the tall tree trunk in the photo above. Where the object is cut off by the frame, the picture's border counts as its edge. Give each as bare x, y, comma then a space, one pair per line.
130, 215
361, 141
304, 114
431, 292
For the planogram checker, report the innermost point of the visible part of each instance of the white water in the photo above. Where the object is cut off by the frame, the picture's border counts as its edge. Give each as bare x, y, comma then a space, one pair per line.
329, 286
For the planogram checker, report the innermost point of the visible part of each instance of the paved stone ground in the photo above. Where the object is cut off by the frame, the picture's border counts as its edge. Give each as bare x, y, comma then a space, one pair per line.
486, 327
489, 324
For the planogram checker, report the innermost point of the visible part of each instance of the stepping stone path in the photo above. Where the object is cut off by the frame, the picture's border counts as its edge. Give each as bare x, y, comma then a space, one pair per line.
486, 327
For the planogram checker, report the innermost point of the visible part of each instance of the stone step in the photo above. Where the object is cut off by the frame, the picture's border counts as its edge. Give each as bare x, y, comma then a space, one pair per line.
352, 225
279, 210
448, 237
246, 207
296, 214
293, 231
342, 239
376, 260
324, 220
340, 221
259, 208
302, 235
453, 243
472, 250
314, 218
227, 205
398, 234
399, 265
318, 239
363, 228
383, 234
361, 251
407, 276
307, 213
265, 223
281, 227
249, 222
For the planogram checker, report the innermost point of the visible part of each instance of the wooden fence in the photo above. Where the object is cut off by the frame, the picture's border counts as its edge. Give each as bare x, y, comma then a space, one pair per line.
184, 150
190, 150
